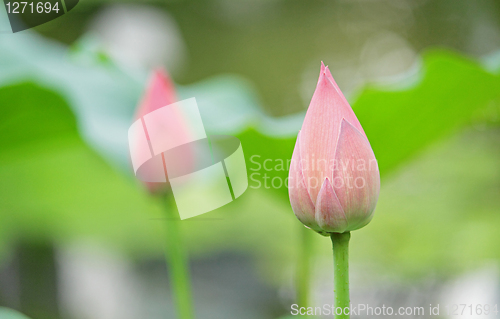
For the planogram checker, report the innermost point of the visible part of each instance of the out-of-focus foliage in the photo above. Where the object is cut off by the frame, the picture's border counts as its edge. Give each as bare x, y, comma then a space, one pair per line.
28, 124
452, 91
53, 185
6, 313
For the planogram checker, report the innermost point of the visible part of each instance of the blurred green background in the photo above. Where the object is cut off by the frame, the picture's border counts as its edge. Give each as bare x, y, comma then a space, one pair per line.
81, 238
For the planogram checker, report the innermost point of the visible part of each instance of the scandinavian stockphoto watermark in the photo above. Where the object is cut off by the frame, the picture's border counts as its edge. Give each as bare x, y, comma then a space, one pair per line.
204, 172
262, 172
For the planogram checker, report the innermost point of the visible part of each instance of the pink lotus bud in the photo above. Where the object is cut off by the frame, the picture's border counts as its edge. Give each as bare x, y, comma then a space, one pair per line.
160, 92
334, 181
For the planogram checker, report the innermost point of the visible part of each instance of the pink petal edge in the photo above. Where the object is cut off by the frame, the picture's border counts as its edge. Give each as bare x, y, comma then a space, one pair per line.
300, 200
358, 202
330, 215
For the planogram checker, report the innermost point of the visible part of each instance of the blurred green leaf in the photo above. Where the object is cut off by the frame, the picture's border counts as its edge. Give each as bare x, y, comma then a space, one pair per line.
32, 115
448, 91
452, 90
53, 185
6, 313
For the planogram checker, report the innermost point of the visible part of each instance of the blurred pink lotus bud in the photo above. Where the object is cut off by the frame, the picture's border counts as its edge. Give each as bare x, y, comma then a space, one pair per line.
334, 181
160, 92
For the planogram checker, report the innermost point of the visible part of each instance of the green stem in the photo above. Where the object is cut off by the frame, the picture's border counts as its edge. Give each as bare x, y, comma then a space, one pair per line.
178, 263
304, 266
341, 273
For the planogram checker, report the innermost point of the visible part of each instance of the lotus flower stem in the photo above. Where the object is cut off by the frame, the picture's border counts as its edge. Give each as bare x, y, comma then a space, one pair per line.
178, 263
341, 273
303, 266
160, 92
